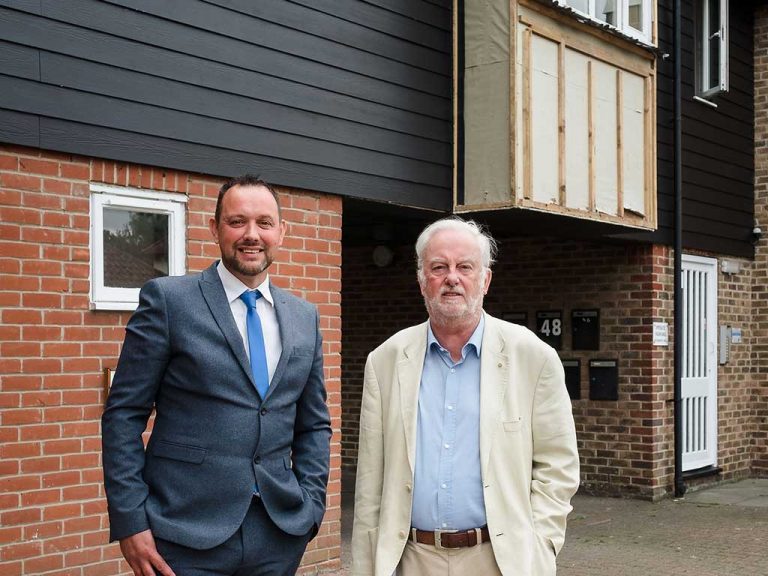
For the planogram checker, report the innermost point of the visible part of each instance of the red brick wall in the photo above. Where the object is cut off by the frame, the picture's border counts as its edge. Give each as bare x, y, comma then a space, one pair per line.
626, 446
377, 303
760, 285
53, 350
737, 423
618, 440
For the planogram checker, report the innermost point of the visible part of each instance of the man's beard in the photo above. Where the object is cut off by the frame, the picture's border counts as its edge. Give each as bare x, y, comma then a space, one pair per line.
444, 314
232, 262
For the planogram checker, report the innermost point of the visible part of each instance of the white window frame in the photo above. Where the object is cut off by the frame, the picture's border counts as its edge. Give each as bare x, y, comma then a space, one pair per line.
102, 196
622, 18
705, 87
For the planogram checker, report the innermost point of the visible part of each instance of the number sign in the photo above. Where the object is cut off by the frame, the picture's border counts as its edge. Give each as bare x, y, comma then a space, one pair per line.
549, 327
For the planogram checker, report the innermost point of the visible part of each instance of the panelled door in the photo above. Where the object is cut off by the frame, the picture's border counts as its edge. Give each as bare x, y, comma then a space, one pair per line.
699, 370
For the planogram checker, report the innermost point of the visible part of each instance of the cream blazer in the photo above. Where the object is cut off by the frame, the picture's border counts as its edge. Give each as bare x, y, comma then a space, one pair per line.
528, 455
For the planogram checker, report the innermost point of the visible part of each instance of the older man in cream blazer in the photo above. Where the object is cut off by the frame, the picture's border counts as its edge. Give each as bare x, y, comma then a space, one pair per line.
467, 459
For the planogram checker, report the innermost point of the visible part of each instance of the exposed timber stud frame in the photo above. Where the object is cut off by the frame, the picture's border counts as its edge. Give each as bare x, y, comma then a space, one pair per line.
606, 169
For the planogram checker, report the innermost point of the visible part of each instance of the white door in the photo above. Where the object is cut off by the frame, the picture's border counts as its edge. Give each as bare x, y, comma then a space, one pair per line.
699, 374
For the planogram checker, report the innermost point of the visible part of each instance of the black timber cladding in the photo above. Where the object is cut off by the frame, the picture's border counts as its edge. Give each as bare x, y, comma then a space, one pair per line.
347, 97
718, 143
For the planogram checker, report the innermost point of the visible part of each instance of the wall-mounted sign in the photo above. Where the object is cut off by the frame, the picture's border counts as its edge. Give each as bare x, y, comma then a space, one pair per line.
660, 334
549, 327
516, 318
585, 330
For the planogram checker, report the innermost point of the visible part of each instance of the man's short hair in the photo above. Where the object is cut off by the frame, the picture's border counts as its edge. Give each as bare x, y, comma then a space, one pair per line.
485, 241
245, 180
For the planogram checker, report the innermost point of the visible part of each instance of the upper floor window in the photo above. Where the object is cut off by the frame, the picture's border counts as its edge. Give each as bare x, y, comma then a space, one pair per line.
136, 235
711, 21
632, 17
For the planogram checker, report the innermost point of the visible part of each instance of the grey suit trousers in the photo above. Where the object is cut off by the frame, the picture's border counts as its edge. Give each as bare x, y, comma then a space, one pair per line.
258, 548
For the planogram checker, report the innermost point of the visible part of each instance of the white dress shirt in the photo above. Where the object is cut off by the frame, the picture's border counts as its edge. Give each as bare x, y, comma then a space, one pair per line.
265, 306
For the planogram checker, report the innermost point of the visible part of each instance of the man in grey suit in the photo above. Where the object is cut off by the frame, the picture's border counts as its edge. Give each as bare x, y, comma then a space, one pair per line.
234, 476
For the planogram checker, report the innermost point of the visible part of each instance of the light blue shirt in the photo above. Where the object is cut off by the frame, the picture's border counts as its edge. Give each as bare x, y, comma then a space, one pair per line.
447, 488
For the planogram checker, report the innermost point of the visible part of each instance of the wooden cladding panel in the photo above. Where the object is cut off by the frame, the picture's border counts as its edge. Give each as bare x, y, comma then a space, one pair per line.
605, 142
581, 120
299, 92
587, 129
600, 146
544, 147
633, 116
576, 133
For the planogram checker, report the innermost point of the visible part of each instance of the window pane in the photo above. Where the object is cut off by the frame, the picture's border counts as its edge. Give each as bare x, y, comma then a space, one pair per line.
580, 5
714, 63
135, 247
713, 43
605, 10
636, 14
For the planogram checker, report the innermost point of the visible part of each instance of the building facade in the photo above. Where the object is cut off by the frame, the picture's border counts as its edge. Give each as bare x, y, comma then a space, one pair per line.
370, 118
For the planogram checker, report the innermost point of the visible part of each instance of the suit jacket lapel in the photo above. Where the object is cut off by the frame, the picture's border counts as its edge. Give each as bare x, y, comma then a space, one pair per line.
286, 334
409, 369
216, 297
494, 382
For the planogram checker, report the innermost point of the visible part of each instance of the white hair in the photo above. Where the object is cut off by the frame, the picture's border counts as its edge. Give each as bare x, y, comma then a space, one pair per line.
484, 240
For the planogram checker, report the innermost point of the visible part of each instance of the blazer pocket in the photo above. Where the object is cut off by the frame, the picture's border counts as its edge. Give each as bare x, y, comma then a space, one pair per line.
513, 425
181, 452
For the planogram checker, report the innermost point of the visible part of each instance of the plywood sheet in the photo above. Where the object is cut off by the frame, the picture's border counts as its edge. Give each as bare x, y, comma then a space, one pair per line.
576, 130
633, 142
544, 120
486, 102
604, 91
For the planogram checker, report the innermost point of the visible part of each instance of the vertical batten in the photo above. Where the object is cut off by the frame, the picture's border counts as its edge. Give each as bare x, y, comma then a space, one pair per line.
527, 160
514, 117
591, 135
561, 163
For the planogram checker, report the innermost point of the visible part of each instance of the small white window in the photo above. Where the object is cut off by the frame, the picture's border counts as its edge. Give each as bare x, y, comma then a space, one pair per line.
711, 47
136, 235
632, 17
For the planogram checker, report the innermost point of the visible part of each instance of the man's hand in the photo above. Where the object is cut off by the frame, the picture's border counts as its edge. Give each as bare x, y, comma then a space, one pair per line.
142, 555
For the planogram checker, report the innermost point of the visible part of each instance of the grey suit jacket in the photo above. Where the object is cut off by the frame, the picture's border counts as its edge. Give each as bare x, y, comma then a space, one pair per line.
213, 437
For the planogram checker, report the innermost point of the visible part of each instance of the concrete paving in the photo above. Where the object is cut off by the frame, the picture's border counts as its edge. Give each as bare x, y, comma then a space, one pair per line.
719, 531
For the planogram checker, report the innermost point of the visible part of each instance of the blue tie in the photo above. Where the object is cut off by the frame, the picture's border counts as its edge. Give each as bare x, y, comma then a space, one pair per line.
256, 343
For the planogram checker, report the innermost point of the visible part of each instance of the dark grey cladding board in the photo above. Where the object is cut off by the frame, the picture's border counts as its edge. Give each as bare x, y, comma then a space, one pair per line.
18, 128
18, 60
114, 144
156, 62
56, 102
718, 143
91, 77
351, 98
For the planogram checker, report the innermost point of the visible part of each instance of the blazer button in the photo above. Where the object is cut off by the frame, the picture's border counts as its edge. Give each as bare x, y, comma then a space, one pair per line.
408, 487
257, 459
401, 534
263, 412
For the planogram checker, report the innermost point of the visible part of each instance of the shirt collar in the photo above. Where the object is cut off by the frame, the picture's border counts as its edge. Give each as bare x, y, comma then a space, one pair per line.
475, 341
233, 286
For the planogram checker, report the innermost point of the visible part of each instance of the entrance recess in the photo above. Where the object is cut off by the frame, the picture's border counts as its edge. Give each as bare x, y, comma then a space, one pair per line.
699, 378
